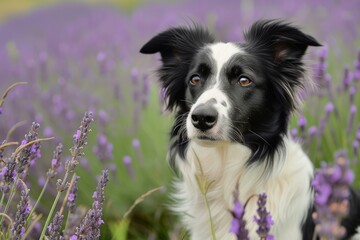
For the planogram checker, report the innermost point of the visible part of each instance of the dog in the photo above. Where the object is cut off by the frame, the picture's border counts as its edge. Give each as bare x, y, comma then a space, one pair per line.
232, 103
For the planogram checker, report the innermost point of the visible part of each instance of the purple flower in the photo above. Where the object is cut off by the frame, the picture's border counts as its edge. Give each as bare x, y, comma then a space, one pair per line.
136, 146
128, 165
350, 125
103, 118
329, 108
331, 184
55, 162
79, 138
348, 77
104, 149
23, 210
73, 237
54, 228
72, 195
263, 219
77, 135
238, 224
90, 225
352, 92
313, 131
355, 146
357, 68
28, 153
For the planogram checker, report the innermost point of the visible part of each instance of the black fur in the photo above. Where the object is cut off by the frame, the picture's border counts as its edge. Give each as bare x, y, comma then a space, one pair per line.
278, 47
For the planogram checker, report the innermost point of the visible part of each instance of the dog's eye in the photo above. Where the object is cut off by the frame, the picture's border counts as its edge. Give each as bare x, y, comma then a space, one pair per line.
195, 80
244, 81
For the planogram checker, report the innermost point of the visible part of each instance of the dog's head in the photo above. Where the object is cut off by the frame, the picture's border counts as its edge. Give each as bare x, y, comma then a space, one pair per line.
237, 92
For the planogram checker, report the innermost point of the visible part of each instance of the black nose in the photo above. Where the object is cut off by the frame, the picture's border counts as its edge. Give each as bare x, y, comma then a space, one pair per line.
204, 117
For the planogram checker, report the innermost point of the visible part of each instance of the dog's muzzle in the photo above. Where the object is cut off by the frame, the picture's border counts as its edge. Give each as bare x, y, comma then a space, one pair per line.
204, 117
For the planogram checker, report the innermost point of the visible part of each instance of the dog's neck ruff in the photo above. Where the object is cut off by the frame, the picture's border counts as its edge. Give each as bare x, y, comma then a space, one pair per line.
223, 166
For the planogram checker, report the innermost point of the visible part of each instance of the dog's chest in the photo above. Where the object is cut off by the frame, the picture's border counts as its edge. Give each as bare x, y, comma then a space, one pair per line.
210, 175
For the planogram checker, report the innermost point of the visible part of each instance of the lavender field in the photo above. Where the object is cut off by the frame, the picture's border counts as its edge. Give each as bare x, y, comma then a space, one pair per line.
88, 87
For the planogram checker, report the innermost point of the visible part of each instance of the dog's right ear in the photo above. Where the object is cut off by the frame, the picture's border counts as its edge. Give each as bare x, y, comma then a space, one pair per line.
177, 47
177, 43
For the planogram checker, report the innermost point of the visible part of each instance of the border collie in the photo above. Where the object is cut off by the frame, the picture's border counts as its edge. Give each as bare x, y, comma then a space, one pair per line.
232, 104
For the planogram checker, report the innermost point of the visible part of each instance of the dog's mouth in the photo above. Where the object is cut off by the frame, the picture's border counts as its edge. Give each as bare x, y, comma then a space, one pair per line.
208, 138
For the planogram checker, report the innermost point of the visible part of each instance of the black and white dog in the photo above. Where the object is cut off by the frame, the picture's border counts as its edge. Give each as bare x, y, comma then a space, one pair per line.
232, 104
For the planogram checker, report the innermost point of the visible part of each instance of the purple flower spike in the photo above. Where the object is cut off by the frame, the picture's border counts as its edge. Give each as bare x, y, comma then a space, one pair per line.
23, 210
55, 162
128, 164
28, 153
357, 68
90, 225
72, 195
104, 149
263, 219
355, 145
313, 131
352, 92
136, 146
302, 122
54, 228
331, 184
329, 108
353, 111
238, 224
348, 77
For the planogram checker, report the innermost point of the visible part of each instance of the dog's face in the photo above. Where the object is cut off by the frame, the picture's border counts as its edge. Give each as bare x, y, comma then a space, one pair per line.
225, 92
236, 92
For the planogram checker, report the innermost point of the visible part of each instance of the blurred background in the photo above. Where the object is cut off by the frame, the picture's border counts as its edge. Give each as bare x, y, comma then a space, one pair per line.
82, 56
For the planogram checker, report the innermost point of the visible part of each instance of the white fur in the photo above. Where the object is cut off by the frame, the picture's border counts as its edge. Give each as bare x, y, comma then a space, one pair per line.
356, 236
223, 165
222, 52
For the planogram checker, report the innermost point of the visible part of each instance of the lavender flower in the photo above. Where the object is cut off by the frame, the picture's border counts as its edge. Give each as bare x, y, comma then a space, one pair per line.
238, 223
74, 220
28, 153
136, 146
355, 146
90, 225
23, 210
103, 118
55, 227
350, 125
264, 219
348, 77
79, 139
72, 195
128, 165
357, 68
352, 92
320, 68
313, 131
329, 87
331, 184
104, 149
55, 162
329, 108
8, 173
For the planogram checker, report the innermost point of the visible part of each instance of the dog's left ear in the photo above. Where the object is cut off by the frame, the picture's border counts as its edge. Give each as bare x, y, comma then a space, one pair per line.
281, 40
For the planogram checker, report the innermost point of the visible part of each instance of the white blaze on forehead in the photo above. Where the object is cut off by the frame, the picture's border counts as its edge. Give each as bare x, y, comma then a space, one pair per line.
221, 53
